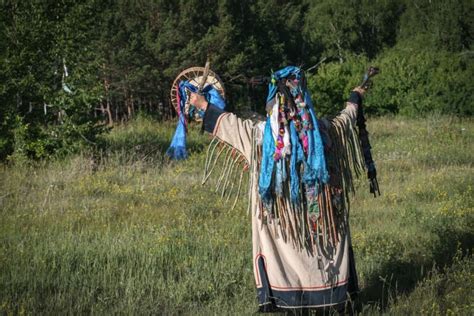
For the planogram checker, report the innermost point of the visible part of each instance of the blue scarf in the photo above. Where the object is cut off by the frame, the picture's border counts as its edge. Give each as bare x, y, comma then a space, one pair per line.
273, 173
177, 149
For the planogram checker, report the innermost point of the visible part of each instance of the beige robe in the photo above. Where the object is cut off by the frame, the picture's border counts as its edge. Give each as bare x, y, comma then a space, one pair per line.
288, 276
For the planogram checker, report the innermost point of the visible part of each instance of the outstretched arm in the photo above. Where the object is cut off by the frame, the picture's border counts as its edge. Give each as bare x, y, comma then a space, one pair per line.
353, 104
226, 126
351, 117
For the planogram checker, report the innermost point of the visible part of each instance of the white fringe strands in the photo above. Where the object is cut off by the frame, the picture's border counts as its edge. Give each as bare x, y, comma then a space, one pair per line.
293, 222
230, 166
345, 162
345, 157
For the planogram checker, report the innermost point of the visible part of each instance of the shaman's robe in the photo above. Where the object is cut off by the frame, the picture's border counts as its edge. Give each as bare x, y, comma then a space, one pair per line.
291, 269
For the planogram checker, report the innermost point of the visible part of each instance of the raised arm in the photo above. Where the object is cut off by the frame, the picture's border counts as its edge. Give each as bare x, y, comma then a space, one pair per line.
226, 126
349, 118
353, 104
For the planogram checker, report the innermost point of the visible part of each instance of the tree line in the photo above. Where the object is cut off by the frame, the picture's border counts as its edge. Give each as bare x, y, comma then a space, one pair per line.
69, 68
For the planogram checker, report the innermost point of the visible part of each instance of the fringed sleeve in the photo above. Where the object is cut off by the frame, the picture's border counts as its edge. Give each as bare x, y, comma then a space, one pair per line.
229, 153
345, 157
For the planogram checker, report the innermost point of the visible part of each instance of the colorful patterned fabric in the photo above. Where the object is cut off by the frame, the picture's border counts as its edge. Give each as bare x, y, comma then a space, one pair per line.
291, 138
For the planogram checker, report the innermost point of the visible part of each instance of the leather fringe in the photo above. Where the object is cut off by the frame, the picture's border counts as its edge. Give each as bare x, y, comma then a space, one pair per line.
293, 222
230, 165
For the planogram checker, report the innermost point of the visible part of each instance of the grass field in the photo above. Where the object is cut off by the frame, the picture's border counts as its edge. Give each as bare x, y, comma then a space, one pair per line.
132, 233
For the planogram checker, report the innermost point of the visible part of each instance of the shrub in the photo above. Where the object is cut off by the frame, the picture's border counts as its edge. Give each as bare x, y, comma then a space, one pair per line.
411, 83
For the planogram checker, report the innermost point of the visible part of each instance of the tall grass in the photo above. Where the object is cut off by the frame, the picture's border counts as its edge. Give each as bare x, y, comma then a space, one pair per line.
130, 232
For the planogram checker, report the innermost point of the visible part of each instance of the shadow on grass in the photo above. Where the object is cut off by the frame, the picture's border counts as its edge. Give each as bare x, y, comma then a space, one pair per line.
397, 277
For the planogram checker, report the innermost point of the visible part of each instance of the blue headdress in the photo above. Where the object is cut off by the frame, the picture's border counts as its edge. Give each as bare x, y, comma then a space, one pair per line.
291, 138
177, 149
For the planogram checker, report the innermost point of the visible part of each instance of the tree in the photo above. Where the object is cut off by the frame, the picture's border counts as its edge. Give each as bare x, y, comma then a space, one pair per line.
39, 47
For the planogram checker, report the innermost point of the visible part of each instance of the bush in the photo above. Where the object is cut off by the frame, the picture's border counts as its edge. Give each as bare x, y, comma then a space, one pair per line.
411, 83
414, 82
70, 127
331, 85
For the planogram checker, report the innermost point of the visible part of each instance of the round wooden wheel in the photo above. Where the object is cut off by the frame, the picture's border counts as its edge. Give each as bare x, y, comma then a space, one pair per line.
194, 76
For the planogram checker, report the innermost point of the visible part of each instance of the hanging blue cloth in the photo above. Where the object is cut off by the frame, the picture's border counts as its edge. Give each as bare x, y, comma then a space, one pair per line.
297, 156
266, 168
315, 170
177, 149
317, 160
280, 177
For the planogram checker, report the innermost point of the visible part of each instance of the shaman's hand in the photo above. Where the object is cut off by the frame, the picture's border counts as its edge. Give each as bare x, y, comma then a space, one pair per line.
198, 101
361, 91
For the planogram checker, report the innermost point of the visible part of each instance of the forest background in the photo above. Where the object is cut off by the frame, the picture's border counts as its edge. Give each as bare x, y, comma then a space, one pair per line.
67, 66
96, 219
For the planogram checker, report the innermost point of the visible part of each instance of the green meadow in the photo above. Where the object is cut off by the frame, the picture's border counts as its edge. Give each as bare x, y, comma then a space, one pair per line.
127, 231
